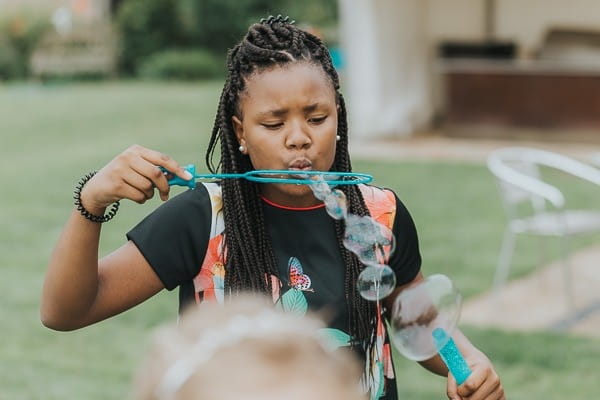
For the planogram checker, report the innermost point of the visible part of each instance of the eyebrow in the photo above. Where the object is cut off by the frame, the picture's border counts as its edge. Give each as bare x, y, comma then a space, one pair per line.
311, 107
283, 111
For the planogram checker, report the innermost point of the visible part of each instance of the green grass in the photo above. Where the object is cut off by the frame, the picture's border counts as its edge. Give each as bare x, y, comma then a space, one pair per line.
50, 136
532, 366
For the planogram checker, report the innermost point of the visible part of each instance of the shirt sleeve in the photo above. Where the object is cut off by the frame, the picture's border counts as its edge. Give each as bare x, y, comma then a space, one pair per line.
174, 237
406, 259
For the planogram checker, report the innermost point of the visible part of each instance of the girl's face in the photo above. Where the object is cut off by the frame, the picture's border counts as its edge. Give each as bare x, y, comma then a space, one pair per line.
288, 121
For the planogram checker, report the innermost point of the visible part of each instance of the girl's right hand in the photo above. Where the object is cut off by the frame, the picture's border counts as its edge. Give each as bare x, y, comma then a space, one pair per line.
133, 174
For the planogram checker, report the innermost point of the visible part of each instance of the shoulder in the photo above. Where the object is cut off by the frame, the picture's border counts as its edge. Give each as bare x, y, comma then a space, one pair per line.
385, 205
186, 204
376, 195
202, 194
380, 202
174, 237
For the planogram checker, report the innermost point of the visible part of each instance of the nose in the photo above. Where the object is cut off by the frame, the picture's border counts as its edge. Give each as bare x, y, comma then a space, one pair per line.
298, 137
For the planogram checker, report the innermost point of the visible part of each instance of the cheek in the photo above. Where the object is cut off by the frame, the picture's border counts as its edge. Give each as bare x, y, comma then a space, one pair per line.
325, 133
334, 142
261, 152
334, 126
327, 150
329, 133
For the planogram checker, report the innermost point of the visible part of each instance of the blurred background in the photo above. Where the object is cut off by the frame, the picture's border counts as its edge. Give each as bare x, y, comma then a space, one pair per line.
414, 64
433, 86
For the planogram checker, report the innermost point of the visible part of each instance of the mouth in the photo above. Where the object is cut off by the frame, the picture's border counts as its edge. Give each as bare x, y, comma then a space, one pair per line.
302, 164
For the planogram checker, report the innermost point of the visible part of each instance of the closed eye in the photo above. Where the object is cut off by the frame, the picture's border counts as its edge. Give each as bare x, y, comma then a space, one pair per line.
273, 126
317, 120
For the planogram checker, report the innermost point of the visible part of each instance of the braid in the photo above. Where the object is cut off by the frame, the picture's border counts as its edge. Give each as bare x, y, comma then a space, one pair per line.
361, 313
250, 259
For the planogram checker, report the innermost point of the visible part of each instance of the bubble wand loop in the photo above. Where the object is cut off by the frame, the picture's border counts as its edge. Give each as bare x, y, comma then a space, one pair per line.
333, 178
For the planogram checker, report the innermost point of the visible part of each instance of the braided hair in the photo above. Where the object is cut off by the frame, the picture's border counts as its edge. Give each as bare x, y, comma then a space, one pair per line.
250, 259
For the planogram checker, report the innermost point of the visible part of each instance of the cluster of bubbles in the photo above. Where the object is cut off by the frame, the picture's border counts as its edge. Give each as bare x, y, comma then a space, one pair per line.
372, 242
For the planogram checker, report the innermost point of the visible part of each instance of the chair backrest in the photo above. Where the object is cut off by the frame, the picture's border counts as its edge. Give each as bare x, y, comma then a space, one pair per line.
515, 172
518, 172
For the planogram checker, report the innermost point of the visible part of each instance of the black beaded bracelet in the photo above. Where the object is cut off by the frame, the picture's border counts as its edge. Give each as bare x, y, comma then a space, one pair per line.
88, 215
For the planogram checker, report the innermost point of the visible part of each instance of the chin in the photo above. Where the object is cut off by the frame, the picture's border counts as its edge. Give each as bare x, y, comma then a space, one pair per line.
296, 190
291, 195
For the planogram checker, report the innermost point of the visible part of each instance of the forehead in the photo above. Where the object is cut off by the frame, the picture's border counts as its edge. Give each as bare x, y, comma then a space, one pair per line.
284, 86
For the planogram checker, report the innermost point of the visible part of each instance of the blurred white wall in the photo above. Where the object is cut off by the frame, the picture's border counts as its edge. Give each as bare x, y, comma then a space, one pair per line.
526, 21
387, 65
389, 46
455, 19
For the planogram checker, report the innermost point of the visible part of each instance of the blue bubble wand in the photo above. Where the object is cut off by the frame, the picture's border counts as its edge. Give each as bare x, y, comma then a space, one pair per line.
451, 355
296, 177
423, 317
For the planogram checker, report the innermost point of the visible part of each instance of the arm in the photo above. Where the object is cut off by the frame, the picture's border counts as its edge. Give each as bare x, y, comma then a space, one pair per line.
483, 383
79, 289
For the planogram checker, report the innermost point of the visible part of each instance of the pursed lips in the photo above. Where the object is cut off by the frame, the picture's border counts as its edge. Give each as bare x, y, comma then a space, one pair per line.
302, 164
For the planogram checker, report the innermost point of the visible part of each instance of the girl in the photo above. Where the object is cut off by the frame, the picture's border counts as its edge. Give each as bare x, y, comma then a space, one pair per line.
280, 108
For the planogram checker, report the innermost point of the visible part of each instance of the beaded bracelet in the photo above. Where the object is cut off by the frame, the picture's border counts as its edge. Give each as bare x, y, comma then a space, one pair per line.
88, 215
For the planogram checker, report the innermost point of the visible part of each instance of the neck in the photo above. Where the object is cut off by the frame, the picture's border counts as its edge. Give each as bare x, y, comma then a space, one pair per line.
289, 196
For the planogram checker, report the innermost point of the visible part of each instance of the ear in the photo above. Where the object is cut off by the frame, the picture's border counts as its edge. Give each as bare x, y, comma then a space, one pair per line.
238, 128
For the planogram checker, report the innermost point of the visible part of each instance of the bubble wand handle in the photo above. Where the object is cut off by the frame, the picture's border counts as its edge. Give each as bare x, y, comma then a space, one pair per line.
451, 356
274, 176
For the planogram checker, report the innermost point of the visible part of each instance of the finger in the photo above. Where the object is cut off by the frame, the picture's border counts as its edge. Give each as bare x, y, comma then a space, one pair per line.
473, 382
132, 193
498, 394
451, 389
140, 183
154, 174
163, 160
485, 391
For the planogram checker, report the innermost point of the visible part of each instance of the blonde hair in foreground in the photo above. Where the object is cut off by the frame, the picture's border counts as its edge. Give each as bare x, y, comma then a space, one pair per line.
245, 350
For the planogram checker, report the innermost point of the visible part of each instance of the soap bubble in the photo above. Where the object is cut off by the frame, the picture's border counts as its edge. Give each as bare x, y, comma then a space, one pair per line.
336, 204
372, 242
376, 282
332, 178
320, 189
418, 311
368, 239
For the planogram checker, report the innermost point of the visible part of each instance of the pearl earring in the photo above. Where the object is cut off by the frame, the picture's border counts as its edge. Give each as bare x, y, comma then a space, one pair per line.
337, 138
242, 149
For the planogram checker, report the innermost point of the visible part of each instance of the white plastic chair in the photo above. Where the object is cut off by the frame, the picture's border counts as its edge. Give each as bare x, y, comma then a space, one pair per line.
518, 173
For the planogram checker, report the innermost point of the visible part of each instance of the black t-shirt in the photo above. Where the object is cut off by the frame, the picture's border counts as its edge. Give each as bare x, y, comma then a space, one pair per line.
174, 240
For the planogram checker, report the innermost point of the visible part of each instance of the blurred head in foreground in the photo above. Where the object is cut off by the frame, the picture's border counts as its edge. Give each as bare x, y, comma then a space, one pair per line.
245, 350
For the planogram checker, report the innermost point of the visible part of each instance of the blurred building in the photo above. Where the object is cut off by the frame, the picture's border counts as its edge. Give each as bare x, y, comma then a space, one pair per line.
507, 63
90, 10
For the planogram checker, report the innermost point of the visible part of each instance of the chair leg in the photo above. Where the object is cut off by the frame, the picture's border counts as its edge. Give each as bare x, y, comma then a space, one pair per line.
567, 272
506, 253
541, 259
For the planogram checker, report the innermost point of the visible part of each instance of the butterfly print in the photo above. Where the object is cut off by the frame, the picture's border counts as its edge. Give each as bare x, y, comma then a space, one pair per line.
298, 279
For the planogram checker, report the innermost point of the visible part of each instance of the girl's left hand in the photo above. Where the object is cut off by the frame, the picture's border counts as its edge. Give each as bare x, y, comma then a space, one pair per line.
483, 383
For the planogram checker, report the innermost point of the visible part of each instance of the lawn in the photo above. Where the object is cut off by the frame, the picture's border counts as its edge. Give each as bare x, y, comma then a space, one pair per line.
51, 135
